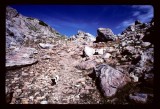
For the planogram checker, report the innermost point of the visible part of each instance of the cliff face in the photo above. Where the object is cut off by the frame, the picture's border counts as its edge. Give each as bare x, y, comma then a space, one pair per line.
19, 28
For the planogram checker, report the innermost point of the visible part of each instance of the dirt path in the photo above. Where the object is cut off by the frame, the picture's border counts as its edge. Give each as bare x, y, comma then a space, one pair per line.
33, 84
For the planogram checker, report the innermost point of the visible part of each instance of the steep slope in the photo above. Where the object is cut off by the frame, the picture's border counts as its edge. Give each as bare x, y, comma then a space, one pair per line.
20, 28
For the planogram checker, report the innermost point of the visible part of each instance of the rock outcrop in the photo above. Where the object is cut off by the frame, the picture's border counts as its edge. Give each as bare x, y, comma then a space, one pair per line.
83, 35
20, 57
110, 79
104, 35
20, 28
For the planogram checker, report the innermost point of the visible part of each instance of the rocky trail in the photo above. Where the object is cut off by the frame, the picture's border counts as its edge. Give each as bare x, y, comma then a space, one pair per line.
45, 67
33, 84
59, 78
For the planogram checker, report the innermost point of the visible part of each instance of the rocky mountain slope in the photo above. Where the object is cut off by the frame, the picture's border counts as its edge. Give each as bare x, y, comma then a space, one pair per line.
20, 28
108, 69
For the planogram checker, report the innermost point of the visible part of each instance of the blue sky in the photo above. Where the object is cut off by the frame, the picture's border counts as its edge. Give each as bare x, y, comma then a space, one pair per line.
68, 19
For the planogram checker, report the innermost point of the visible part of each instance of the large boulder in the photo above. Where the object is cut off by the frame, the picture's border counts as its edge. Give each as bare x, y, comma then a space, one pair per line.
20, 57
110, 79
104, 35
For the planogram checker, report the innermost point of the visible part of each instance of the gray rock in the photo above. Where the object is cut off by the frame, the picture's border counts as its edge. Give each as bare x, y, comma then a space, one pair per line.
139, 98
104, 35
20, 57
110, 79
146, 62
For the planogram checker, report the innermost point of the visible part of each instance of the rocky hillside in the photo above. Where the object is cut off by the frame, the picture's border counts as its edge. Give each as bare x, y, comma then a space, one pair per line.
83, 35
20, 28
108, 69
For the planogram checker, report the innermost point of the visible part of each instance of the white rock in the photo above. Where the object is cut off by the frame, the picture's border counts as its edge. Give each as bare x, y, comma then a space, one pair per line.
106, 55
35, 52
135, 78
99, 51
46, 57
25, 56
77, 85
13, 44
16, 79
46, 46
111, 49
31, 98
24, 74
44, 102
89, 51
99, 60
19, 90
123, 44
146, 44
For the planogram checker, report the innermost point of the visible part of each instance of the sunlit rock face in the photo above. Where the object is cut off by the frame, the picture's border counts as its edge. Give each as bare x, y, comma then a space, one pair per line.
19, 28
